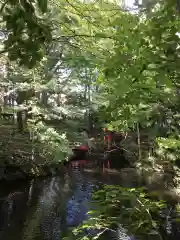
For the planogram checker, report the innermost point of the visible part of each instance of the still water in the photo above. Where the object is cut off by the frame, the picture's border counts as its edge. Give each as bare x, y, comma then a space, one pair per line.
44, 209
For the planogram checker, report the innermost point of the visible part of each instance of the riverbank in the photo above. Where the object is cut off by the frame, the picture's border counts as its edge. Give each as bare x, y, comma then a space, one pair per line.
21, 158
16, 172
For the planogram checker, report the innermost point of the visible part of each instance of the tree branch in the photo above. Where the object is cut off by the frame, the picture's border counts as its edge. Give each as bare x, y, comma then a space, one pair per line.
82, 35
3, 6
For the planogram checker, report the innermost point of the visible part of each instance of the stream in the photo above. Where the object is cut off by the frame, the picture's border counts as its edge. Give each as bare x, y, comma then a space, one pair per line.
43, 209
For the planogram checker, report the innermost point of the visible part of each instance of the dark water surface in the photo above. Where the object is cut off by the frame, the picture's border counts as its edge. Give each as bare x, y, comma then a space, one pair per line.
45, 208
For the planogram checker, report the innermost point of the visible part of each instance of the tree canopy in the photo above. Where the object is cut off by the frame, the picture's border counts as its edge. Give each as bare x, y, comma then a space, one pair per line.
64, 62
122, 62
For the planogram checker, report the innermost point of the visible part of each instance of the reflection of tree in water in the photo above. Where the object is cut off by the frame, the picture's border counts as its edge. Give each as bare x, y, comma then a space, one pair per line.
51, 206
10, 217
62, 202
44, 217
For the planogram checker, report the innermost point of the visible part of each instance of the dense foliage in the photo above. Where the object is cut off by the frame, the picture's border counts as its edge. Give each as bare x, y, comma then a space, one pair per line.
63, 61
26, 30
116, 207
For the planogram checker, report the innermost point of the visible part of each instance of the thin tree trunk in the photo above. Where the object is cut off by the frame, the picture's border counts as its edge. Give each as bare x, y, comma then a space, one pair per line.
58, 102
44, 98
139, 143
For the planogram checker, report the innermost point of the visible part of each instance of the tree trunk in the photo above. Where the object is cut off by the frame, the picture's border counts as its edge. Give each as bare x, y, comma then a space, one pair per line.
44, 98
58, 102
20, 120
139, 143
5, 97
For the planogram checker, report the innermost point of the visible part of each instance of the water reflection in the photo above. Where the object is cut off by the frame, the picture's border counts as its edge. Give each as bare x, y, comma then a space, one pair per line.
44, 209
